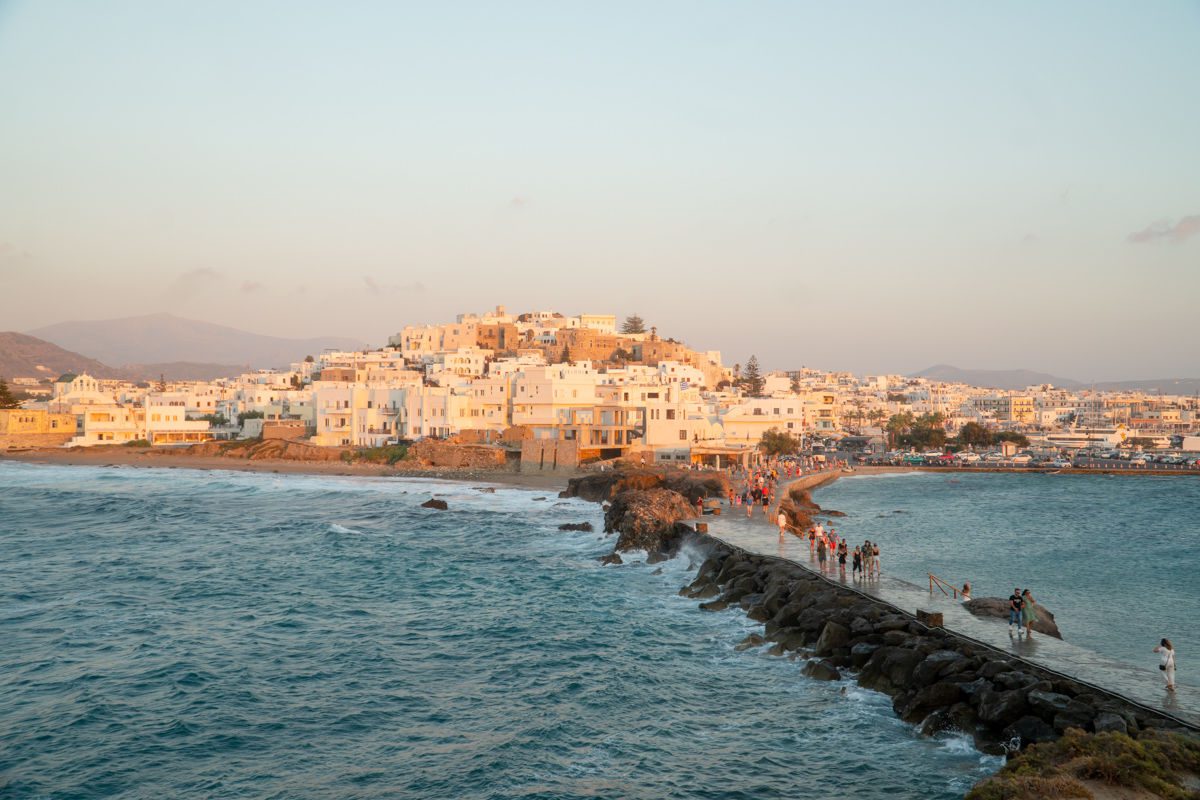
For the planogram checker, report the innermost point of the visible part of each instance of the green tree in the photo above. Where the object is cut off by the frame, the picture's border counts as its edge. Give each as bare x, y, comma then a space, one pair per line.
7, 399
216, 420
245, 415
1019, 439
309, 359
974, 435
633, 324
752, 381
779, 443
565, 356
899, 425
795, 384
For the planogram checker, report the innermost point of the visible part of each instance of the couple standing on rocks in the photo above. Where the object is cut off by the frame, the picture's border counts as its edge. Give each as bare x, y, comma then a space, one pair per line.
1022, 613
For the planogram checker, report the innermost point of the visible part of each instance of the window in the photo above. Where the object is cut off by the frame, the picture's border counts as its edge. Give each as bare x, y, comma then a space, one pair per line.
670, 413
682, 435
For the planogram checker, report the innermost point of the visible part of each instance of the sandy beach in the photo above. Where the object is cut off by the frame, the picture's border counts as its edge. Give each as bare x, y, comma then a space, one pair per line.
166, 459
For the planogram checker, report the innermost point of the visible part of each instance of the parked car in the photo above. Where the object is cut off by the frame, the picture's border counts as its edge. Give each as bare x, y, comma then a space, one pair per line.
913, 460
1021, 458
1059, 463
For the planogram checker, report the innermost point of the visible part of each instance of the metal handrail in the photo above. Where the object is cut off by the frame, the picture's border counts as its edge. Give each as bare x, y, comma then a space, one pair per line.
941, 584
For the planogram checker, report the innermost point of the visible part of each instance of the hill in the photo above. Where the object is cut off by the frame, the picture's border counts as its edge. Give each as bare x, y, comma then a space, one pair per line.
165, 338
24, 356
995, 378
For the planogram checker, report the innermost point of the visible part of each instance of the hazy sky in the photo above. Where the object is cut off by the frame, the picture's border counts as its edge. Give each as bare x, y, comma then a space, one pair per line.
864, 186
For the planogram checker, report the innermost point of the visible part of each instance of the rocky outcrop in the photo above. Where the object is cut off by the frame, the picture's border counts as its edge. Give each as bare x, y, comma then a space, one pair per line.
800, 509
647, 520
259, 450
936, 679
600, 487
434, 503
997, 608
576, 526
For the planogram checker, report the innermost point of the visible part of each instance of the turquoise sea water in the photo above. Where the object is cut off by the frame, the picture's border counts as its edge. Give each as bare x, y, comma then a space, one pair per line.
173, 633
1116, 558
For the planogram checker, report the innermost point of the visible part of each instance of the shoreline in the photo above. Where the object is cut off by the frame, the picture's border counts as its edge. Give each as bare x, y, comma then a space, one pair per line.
143, 458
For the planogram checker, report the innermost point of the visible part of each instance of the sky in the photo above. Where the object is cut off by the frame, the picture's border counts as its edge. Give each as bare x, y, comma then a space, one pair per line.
874, 187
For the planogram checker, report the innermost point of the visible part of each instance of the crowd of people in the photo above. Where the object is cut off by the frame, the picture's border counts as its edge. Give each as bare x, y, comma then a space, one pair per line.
759, 488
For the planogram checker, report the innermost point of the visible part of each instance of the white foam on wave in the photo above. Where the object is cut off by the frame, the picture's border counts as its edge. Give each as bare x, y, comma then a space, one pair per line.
336, 528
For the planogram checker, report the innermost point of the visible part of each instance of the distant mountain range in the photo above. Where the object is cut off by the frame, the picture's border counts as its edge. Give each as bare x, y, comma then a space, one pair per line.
158, 341
1021, 378
24, 356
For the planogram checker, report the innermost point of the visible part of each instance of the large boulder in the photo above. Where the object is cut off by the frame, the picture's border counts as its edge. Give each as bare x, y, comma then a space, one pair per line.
434, 503
646, 520
997, 608
832, 637
890, 669
938, 664
822, 670
1002, 708
1029, 730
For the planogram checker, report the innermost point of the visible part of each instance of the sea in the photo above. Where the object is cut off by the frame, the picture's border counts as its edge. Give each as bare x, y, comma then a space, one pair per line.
1116, 558
173, 633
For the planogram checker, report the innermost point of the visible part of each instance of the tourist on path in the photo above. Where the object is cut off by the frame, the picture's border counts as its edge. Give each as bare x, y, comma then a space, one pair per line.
841, 554
1015, 603
1166, 663
856, 562
781, 520
1028, 612
821, 553
966, 592
876, 565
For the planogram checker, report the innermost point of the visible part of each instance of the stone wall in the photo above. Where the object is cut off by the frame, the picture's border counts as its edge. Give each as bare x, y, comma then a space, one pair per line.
539, 455
435, 453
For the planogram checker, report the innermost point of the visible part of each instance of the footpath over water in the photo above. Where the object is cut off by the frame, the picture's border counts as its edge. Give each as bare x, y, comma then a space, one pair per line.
1139, 685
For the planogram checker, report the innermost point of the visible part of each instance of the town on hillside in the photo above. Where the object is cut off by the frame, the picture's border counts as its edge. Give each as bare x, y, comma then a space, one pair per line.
561, 391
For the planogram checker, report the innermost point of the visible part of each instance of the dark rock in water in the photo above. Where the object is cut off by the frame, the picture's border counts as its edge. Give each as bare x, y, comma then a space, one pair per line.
656, 557
647, 520
890, 669
822, 670
440, 505
611, 558
538, 498
1107, 721
832, 636
657, 571
576, 526
938, 664
997, 608
958, 717
829, 512
715, 605
1030, 730
918, 705
861, 653
1002, 708
753, 640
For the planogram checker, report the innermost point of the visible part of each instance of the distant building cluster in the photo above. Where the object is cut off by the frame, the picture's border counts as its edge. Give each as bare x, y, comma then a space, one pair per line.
567, 390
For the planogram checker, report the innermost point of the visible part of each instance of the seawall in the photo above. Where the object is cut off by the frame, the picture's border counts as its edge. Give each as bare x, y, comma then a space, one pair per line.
937, 679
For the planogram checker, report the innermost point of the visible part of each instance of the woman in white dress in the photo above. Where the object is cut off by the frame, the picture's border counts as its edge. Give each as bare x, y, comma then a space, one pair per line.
1166, 653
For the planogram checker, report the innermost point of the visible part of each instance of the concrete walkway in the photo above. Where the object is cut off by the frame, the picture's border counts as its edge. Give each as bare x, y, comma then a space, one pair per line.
1139, 684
